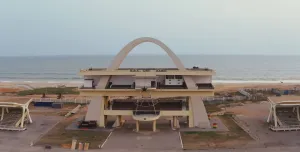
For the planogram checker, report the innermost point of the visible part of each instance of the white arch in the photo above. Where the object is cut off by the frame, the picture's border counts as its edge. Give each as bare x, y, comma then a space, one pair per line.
118, 59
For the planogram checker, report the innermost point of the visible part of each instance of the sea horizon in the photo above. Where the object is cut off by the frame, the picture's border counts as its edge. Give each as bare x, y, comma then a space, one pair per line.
229, 68
145, 54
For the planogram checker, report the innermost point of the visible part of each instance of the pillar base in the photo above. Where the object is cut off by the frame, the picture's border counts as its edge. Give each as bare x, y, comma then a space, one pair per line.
154, 126
137, 129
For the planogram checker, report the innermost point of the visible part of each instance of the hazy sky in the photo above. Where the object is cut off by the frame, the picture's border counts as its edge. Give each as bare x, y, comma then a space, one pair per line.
74, 27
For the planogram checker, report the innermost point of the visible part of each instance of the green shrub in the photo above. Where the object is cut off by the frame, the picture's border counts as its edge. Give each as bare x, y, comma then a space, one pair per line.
49, 90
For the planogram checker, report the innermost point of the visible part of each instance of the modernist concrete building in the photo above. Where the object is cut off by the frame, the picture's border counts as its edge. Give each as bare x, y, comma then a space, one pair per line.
147, 94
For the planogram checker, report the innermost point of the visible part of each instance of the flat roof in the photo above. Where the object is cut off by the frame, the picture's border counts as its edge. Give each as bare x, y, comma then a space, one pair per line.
288, 99
193, 69
148, 71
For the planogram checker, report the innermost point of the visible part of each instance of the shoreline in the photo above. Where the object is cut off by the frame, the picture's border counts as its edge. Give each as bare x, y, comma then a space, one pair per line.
220, 86
80, 81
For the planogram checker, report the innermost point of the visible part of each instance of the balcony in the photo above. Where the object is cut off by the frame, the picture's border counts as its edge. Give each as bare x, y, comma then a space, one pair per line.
110, 85
130, 104
163, 86
172, 87
205, 86
84, 87
120, 87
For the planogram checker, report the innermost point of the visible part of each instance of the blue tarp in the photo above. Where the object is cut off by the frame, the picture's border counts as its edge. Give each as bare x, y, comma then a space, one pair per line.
43, 104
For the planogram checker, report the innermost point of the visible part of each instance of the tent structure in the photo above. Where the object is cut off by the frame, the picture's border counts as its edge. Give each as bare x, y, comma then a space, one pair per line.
14, 113
284, 113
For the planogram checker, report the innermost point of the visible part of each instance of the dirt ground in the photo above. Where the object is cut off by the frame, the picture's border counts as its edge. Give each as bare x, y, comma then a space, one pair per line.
60, 137
235, 137
254, 117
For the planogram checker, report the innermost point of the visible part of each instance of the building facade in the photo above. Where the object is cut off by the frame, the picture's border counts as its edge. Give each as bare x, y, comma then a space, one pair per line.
147, 94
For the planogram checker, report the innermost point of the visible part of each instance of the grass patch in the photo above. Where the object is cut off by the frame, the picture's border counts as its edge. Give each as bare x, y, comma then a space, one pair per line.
58, 136
49, 90
235, 130
207, 135
212, 108
233, 138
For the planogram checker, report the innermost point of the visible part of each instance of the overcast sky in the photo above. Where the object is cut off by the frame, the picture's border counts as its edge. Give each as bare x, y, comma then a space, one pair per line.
73, 27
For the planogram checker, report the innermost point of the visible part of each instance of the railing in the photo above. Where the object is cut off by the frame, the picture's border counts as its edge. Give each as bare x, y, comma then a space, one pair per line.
66, 100
235, 98
82, 87
285, 128
145, 112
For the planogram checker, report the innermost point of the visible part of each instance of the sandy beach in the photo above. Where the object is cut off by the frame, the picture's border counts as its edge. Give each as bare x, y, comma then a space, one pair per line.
236, 86
17, 86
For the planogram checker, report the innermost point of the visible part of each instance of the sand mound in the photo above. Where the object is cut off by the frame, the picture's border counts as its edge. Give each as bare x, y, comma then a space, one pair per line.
9, 90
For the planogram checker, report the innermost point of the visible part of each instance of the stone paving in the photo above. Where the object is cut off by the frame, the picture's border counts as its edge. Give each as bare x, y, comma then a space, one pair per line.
15, 140
126, 138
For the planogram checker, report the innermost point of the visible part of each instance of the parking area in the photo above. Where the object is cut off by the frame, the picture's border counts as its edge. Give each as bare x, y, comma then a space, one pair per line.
126, 138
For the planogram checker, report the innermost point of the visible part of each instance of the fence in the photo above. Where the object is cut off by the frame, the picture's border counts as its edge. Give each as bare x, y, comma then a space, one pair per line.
270, 89
70, 100
218, 100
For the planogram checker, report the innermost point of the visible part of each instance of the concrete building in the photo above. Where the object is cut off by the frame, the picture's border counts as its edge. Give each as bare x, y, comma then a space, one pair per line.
147, 94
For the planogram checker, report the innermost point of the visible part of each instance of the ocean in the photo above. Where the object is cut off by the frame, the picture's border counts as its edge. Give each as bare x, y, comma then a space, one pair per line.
229, 68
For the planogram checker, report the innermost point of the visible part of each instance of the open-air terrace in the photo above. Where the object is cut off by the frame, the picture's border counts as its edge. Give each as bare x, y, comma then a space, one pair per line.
148, 69
131, 104
159, 86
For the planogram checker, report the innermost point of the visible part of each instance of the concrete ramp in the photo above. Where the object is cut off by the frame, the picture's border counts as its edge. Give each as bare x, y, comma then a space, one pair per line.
200, 117
94, 109
103, 82
128, 140
190, 83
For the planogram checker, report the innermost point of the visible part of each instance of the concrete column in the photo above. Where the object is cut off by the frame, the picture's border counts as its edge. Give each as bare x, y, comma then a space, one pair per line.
298, 116
137, 126
2, 114
101, 122
28, 115
120, 120
174, 122
190, 117
73, 146
154, 125
275, 116
110, 105
105, 119
294, 108
187, 120
23, 117
270, 114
